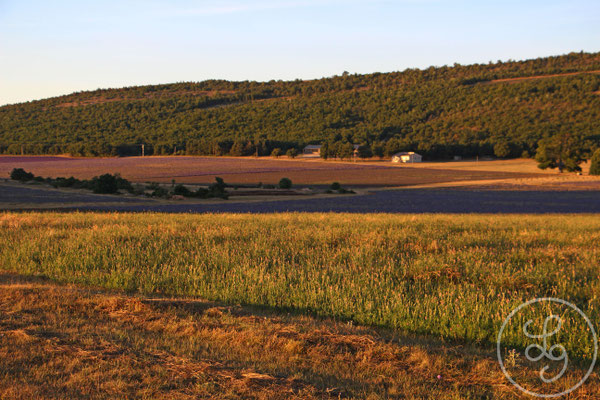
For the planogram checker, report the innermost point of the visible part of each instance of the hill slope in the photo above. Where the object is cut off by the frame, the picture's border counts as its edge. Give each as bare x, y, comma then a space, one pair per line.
459, 110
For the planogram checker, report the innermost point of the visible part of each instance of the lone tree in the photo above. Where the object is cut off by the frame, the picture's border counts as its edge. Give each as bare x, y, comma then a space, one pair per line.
285, 183
563, 151
105, 184
502, 149
291, 153
276, 152
595, 167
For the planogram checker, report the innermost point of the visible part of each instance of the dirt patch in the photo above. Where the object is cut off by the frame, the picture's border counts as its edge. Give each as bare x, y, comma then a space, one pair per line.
148, 95
528, 78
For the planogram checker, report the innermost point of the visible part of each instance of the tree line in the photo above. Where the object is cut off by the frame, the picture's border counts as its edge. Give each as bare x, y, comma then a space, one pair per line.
439, 112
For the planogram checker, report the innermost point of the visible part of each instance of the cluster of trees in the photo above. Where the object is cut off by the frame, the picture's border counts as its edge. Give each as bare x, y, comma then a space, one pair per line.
113, 184
438, 112
103, 184
566, 152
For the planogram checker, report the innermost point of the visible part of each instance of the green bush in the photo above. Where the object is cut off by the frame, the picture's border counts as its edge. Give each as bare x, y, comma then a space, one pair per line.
159, 192
123, 184
276, 152
217, 189
335, 186
68, 182
19, 174
502, 149
291, 153
105, 184
181, 190
285, 183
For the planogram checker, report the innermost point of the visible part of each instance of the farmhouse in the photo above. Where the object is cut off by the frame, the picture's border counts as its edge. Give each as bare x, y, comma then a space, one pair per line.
312, 150
407, 157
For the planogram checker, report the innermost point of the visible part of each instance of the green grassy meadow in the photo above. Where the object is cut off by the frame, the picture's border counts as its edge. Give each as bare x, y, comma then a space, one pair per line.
448, 276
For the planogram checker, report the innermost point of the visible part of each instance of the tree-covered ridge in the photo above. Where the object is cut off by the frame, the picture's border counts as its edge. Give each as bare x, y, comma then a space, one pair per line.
439, 112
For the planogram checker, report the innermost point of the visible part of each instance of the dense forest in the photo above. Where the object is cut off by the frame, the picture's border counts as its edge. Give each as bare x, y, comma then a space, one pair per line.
440, 112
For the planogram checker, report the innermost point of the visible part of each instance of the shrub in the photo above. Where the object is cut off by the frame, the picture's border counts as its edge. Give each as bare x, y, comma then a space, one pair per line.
276, 152
201, 193
19, 174
67, 182
285, 183
335, 186
123, 184
181, 190
217, 189
105, 184
502, 149
595, 163
291, 153
159, 192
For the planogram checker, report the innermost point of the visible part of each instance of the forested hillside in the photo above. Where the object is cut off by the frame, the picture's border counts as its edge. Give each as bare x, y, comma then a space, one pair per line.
440, 112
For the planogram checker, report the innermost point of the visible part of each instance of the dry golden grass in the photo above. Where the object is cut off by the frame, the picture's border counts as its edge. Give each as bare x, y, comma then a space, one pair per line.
451, 277
520, 165
70, 342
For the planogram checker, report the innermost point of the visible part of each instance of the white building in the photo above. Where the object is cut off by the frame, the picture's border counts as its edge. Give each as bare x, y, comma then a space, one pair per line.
407, 157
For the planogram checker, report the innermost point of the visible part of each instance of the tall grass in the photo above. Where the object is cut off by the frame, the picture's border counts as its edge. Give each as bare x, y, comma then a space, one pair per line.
453, 276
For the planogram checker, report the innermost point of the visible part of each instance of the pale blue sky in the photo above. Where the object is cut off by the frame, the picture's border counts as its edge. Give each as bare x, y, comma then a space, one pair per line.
48, 48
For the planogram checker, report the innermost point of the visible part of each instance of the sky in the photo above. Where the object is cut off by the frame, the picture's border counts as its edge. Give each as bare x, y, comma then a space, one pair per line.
50, 48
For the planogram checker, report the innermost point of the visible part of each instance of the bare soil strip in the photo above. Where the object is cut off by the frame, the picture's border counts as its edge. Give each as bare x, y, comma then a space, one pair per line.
527, 78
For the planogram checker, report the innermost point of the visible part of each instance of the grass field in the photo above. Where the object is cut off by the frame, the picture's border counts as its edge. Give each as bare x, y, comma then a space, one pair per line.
65, 341
447, 278
250, 170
